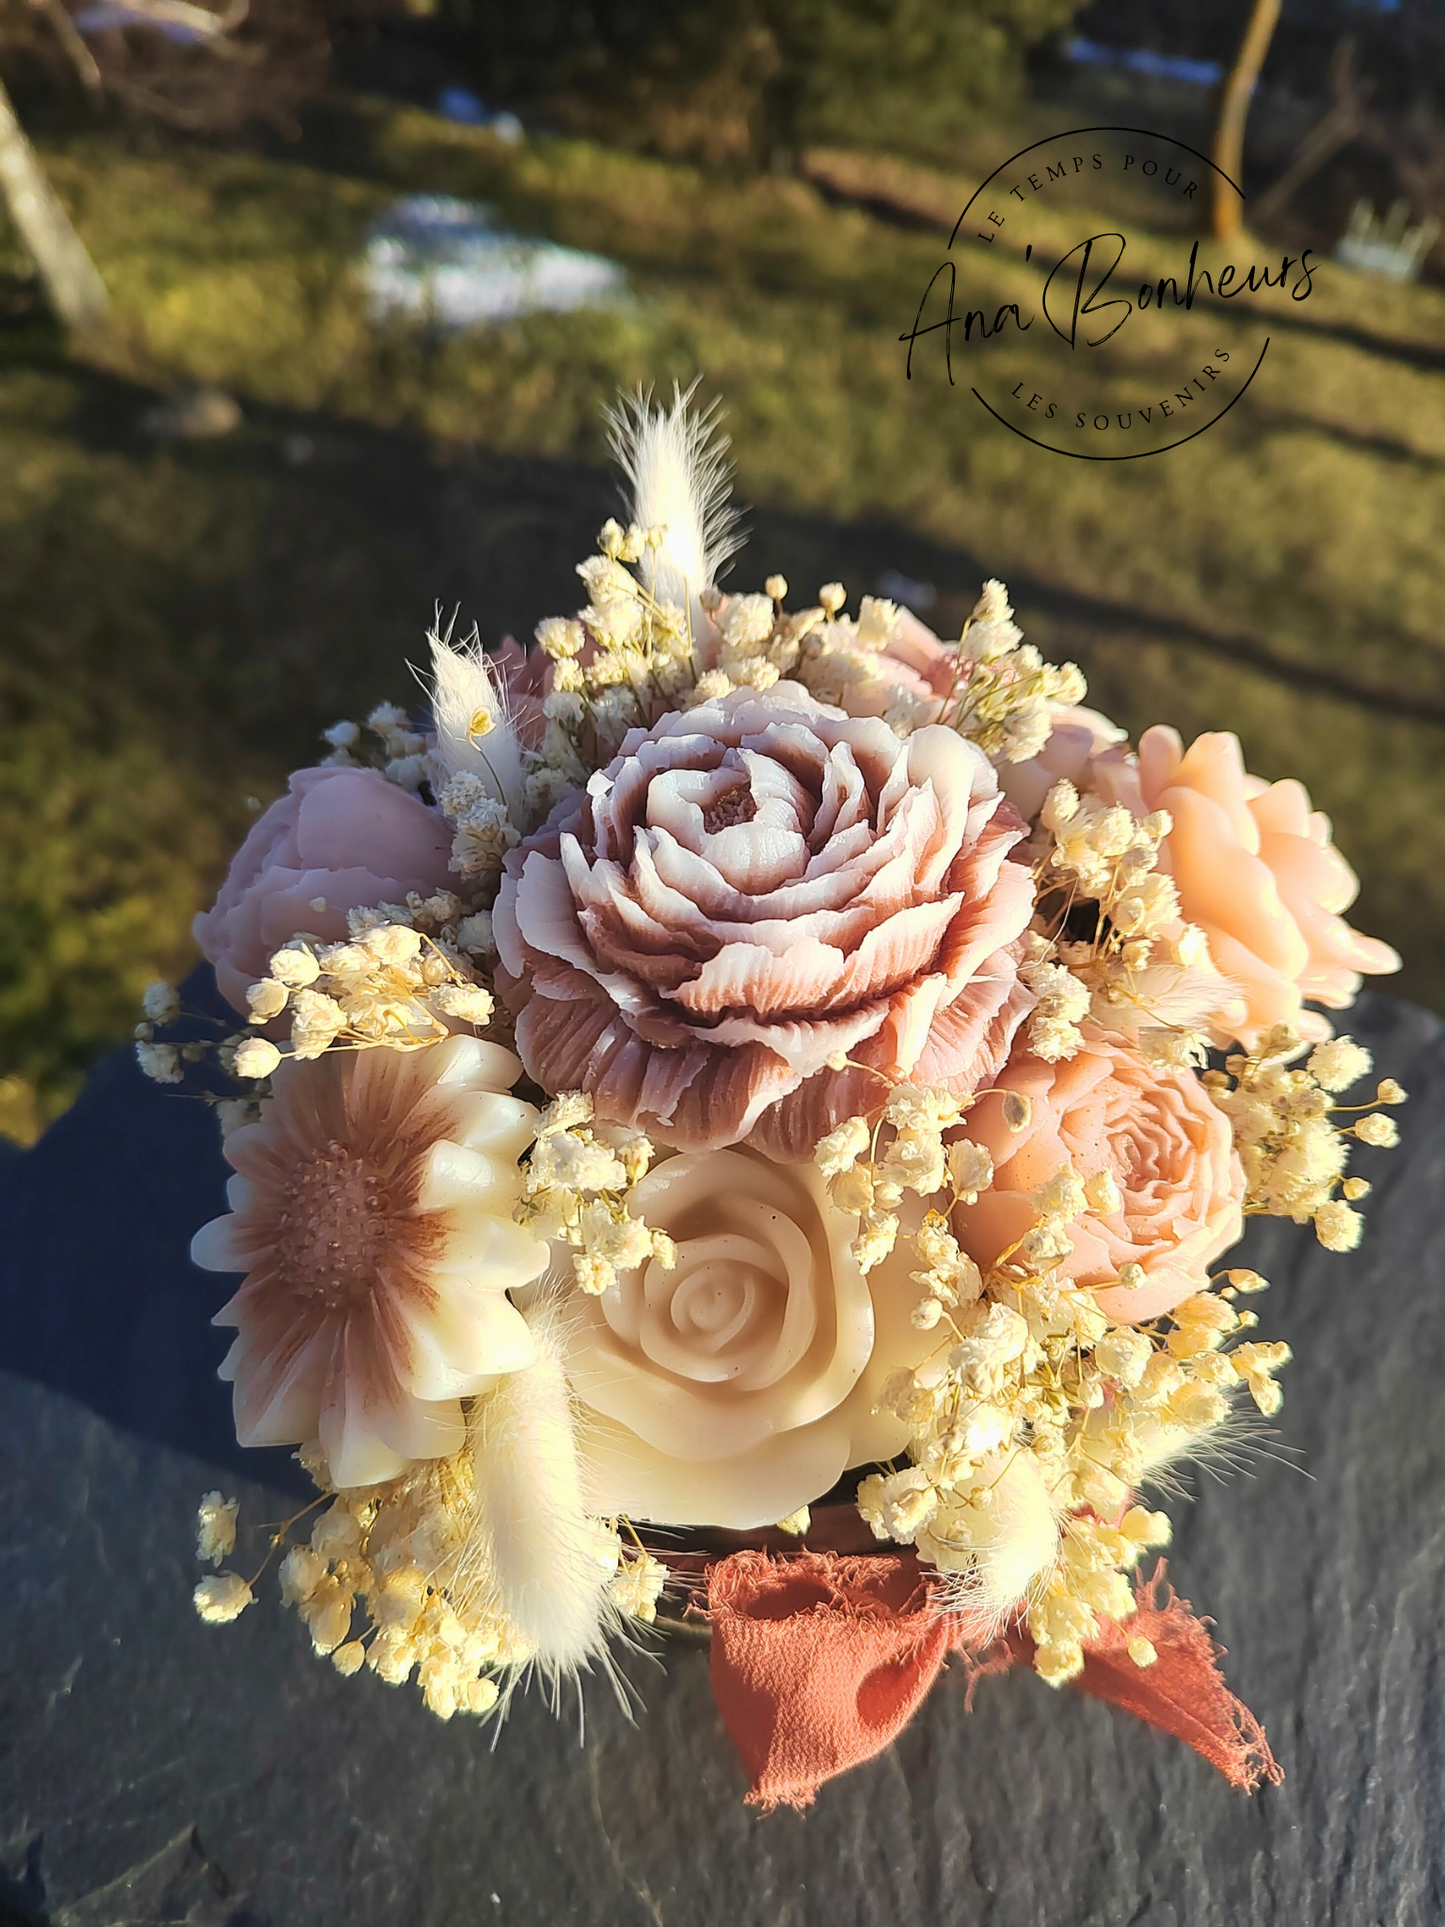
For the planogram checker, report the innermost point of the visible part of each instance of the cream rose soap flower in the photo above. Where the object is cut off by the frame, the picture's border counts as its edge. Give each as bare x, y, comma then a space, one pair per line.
735, 1384
372, 1214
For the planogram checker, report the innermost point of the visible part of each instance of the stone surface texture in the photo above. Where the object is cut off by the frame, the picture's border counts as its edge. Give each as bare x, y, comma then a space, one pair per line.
154, 1769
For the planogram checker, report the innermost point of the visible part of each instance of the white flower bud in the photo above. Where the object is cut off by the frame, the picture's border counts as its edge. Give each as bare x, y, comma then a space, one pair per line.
223, 1598
256, 1057
267, 999
295, 967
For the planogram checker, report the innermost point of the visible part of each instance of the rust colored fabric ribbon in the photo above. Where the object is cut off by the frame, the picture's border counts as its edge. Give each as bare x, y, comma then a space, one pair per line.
819, 1662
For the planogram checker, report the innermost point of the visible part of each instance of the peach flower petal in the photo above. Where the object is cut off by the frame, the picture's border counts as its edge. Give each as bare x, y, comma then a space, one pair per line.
1257, 871
1167, 1145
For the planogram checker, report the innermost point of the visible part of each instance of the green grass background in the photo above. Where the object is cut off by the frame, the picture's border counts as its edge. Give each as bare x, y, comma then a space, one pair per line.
180, 619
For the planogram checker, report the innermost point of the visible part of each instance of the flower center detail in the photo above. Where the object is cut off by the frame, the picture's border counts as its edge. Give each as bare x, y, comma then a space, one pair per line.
339, 1228
737, 805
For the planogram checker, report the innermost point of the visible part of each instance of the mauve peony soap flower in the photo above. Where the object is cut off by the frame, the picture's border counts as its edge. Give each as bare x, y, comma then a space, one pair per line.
1256, 869
342, 838
738, 1385
371, 1212
750, 890
1158, 1133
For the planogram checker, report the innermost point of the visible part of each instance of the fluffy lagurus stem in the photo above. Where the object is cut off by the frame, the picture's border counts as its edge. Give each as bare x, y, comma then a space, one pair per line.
548, 1560
677, 465
475, 733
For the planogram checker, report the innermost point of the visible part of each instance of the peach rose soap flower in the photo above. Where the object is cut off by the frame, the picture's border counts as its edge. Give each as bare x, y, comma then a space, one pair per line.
741, 1069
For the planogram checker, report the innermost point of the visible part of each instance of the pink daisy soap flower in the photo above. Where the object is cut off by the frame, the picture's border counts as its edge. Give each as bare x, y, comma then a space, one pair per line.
751, 893
1256, 869
371, 1213
1158, 1135
340, 839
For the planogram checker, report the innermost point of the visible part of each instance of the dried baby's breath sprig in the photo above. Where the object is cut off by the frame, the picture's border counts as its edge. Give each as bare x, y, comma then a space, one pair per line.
1137, 968
1290, 1135
871, 1160
636, 1586
575, 1192
216, 1528
163, 1061
161, 1003
1035, 1419
388, 742
404, 979
390, 985
843, 661
482, 831
1005, 691
622, 661
221, 1599
391, 1578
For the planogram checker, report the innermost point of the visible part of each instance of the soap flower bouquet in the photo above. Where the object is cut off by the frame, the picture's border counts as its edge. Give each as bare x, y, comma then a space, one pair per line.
746, 1110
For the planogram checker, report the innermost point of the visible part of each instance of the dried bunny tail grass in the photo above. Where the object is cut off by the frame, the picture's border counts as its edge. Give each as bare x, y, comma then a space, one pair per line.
475, 734
1235, 1444
1014, 1545
548, 1561
681, 479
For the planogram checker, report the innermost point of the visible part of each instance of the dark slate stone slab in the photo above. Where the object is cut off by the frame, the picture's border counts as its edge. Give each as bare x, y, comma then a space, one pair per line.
152, 1769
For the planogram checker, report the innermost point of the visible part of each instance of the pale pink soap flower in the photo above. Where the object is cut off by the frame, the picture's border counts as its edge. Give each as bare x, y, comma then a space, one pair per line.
1256, 869
1159, 1136
913, 662
526, 679
1076, 738
738, 1384
371, 1213
340, 839
751, 893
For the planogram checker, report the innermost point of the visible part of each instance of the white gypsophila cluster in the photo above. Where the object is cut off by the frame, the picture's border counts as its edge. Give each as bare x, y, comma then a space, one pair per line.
163, 1062
838, 660
404, 979
390, 985
575, 1193
482, 830
1007, 691
1142, 971
624, 659
1287, 1131
397, 749
1036, 1419
871, 1161
216, 1528
388, 1581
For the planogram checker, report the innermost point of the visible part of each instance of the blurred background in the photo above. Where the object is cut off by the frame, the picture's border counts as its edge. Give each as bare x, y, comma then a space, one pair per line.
308, 311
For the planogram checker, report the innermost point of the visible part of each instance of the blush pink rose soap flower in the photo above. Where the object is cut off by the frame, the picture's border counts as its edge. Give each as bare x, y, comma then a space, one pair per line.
1257, 870
751, 893
1159, 1136
340, 839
